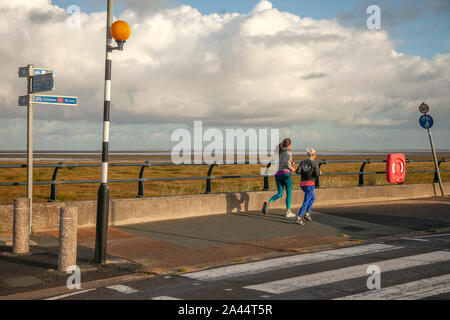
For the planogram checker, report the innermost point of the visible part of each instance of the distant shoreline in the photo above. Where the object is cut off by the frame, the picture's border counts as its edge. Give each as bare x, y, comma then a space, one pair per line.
167, 152
164, 155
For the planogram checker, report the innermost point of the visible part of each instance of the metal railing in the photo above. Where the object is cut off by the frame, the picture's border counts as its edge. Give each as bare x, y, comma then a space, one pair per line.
209, 177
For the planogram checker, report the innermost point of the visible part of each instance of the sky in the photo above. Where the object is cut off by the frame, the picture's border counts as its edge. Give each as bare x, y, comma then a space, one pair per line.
312, 69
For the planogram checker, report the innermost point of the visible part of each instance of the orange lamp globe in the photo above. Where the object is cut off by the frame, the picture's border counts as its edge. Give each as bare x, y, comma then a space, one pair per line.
120, 30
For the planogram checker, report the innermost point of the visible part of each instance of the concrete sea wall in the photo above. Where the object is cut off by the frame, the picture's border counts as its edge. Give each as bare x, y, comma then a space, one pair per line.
129, 211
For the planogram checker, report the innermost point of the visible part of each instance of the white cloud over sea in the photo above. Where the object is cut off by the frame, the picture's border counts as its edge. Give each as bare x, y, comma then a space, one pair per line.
264, 68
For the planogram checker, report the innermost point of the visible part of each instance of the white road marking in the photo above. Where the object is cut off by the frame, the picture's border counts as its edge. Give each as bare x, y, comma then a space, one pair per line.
436, 235
69, 294
415, 239
321, 278
123, 289
89, 269
165, 298
408, 291
117, 261
286, 262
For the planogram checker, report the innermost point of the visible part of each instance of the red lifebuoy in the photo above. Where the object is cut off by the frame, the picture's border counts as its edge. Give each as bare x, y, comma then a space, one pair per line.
395, 168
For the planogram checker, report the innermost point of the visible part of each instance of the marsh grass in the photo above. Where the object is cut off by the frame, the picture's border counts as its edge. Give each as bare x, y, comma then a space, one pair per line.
375, 180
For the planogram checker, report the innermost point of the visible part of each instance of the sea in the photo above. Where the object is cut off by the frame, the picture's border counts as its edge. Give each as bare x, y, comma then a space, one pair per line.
130, 155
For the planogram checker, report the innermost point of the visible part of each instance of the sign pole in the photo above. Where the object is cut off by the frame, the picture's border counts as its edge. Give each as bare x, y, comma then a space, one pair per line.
103, 191
30, 143
435, 162
38, 80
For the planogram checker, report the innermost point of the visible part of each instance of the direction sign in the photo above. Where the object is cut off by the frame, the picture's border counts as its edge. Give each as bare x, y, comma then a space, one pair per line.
23, 71
39, 71
424, 108
426, 121
23, 101
38, 80
43, 82
57, 100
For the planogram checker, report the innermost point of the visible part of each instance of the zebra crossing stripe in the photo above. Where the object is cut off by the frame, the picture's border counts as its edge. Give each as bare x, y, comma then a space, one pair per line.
436, 235
408, 291
165, 298
122, 289
313, 280
69, 294
286, 262
415, 239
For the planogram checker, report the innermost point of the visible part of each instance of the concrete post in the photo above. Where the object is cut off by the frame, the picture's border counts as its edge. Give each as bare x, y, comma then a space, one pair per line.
21, 225
68, 225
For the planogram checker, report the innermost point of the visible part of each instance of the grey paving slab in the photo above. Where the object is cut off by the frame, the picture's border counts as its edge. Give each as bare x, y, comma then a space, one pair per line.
356, 228
222, 229
22, 281
237, 227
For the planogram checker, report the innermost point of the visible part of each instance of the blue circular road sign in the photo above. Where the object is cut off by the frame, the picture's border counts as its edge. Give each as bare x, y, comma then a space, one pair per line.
426, 121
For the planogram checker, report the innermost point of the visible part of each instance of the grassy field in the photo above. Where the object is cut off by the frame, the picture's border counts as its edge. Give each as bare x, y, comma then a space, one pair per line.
130, 189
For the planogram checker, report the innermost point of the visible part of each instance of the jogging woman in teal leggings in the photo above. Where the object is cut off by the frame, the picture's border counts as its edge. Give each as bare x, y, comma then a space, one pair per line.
283, 177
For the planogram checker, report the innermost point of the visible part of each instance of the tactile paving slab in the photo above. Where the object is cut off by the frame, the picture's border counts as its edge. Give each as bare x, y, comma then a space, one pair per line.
159, 254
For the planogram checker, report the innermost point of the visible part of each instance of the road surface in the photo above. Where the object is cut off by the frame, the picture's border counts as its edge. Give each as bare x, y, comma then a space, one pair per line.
416, 267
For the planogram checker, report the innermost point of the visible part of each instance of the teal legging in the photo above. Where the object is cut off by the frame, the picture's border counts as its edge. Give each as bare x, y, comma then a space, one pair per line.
283, 181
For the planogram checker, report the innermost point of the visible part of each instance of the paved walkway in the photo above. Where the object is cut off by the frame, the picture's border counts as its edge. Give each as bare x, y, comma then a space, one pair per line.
196, 243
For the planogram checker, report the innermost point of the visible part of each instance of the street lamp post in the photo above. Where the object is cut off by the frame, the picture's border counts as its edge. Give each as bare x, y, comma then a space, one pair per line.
120, 30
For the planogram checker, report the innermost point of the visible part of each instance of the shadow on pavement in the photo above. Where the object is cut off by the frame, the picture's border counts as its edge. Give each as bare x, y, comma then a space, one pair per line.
419, 214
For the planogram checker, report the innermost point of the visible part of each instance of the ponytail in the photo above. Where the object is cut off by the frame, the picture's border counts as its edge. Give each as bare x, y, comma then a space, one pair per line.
284, 144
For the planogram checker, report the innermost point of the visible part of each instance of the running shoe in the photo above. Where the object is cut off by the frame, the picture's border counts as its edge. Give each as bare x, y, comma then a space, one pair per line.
290, 214
300, 221
308, 217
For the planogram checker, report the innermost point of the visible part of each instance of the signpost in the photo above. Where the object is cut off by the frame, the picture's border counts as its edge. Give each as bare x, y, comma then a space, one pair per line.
55, 100
38, 80
30, 144
426, 121
23, 101
44, 82
25, 72
39, 71
424, 108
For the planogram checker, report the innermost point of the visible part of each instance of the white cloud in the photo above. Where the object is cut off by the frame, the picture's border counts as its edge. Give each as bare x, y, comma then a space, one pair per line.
263, 68
262, 6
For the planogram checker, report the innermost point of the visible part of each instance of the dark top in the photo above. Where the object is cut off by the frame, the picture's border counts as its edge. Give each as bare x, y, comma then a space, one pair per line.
309, 170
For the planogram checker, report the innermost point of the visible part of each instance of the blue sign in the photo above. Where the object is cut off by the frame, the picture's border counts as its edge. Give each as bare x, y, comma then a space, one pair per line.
426, 121
39, 71
24, 71
43, 82
58, 100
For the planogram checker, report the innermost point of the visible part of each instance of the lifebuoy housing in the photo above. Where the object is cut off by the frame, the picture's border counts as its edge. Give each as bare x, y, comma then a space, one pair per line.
395, 168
